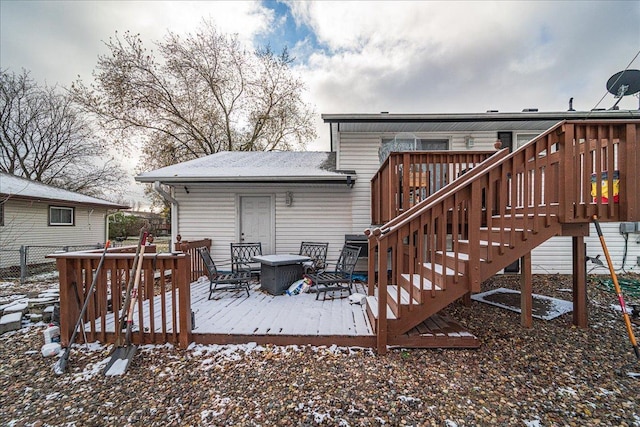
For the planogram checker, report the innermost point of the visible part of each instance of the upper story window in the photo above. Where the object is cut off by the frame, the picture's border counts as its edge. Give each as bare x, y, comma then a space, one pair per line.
61, 215
409, 142
523, 138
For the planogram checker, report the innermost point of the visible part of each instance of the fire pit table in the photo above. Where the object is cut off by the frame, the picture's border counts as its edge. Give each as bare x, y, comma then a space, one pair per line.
278, 272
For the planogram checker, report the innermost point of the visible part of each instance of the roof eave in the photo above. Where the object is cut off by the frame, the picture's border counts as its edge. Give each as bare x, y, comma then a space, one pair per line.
248, 179
468, 117
62, 201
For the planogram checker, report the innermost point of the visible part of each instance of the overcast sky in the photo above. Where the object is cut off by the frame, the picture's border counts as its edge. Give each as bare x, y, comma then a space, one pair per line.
366, 56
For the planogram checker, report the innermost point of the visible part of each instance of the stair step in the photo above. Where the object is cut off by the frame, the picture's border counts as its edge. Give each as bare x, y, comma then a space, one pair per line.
439, 269
372, 301
483, 243
461, 255
392, 291
426, 283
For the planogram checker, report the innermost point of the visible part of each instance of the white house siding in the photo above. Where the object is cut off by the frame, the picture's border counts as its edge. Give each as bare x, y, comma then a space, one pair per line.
359, 152
555, 255
26, 223
318, 213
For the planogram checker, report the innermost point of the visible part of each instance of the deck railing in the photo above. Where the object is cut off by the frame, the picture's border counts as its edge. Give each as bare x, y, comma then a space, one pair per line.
191, 247
558, 177
163, 307
406, 178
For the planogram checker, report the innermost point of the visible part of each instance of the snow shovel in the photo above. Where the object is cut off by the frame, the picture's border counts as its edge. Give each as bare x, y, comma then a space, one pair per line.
60, 366
122, 355
623, 307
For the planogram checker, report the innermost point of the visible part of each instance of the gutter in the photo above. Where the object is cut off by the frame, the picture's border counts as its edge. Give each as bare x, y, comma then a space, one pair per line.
174, 211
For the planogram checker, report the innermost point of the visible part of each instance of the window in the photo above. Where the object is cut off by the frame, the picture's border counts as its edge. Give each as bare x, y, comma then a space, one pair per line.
1, 214
60, 216
409, 142
523, 138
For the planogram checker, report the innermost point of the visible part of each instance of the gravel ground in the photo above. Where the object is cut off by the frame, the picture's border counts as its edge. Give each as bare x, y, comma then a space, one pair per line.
550, 375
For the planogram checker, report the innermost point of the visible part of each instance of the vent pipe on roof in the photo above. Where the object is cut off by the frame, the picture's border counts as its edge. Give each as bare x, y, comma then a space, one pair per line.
571, 104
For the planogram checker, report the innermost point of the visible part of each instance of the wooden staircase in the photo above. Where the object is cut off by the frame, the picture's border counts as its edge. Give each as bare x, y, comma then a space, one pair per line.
445, 246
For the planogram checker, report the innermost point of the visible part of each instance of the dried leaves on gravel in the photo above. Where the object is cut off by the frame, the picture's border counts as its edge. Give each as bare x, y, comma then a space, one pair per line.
553, 374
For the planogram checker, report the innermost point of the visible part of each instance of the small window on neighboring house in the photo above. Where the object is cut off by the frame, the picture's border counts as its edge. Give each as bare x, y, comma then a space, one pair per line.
60, 216
1, 214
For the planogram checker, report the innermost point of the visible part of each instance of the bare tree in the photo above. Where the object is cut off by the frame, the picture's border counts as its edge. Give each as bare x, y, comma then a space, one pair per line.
204, 93
44, 138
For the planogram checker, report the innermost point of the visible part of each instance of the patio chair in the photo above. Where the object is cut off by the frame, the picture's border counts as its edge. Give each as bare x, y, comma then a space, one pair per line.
317, 251
223, 281
341, 279
241, 254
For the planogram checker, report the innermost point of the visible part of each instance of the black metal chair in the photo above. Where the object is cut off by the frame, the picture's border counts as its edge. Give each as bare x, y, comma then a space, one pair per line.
222, 281
341, 278
317, 251
241, 257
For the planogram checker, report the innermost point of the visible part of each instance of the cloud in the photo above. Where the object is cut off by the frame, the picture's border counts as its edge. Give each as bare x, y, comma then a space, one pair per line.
57, 40
368, 56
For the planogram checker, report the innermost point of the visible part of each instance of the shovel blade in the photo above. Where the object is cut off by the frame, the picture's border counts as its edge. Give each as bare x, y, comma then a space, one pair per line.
120, 360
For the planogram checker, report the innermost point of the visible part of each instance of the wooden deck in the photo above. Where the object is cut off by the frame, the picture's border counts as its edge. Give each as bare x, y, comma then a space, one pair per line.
232, 317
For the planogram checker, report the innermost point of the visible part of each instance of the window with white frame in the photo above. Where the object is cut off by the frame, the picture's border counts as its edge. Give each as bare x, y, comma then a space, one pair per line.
59, 215
523, 138
409, 142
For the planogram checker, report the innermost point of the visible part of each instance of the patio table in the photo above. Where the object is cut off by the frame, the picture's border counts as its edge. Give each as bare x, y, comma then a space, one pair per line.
278, 272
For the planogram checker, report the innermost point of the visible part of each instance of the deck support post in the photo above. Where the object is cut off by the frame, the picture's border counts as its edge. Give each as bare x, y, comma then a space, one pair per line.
580, 315
526, 292
184, 300
68, 310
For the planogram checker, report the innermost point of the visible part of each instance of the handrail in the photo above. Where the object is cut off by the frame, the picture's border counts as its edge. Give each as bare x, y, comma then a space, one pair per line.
444, 192
406, 177
191, 247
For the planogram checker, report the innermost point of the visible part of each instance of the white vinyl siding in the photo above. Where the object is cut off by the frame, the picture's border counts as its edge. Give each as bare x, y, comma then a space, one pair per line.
318, 213
27, 223
556, 256
359, 152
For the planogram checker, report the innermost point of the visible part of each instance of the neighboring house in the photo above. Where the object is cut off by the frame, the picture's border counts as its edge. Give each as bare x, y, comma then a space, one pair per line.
35, 214
282, 198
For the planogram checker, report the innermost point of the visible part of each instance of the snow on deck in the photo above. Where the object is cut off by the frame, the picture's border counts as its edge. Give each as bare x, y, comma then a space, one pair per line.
232, 312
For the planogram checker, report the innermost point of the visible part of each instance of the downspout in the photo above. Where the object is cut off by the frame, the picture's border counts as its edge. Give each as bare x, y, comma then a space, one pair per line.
174, 211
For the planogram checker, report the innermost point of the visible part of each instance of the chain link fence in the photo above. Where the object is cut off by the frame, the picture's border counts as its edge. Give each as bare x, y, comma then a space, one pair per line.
29, 261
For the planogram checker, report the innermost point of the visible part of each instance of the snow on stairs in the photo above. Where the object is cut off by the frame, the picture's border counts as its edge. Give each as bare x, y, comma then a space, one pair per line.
414, 301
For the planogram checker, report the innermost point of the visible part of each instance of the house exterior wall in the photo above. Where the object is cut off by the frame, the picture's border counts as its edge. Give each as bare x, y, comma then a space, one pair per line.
359, 152
26, 223
318, 213
555, 255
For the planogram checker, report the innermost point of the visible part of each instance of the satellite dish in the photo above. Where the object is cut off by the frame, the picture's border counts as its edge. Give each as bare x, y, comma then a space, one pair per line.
624, 83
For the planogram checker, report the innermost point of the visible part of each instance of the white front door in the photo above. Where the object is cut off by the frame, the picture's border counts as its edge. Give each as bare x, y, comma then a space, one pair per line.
255, 221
